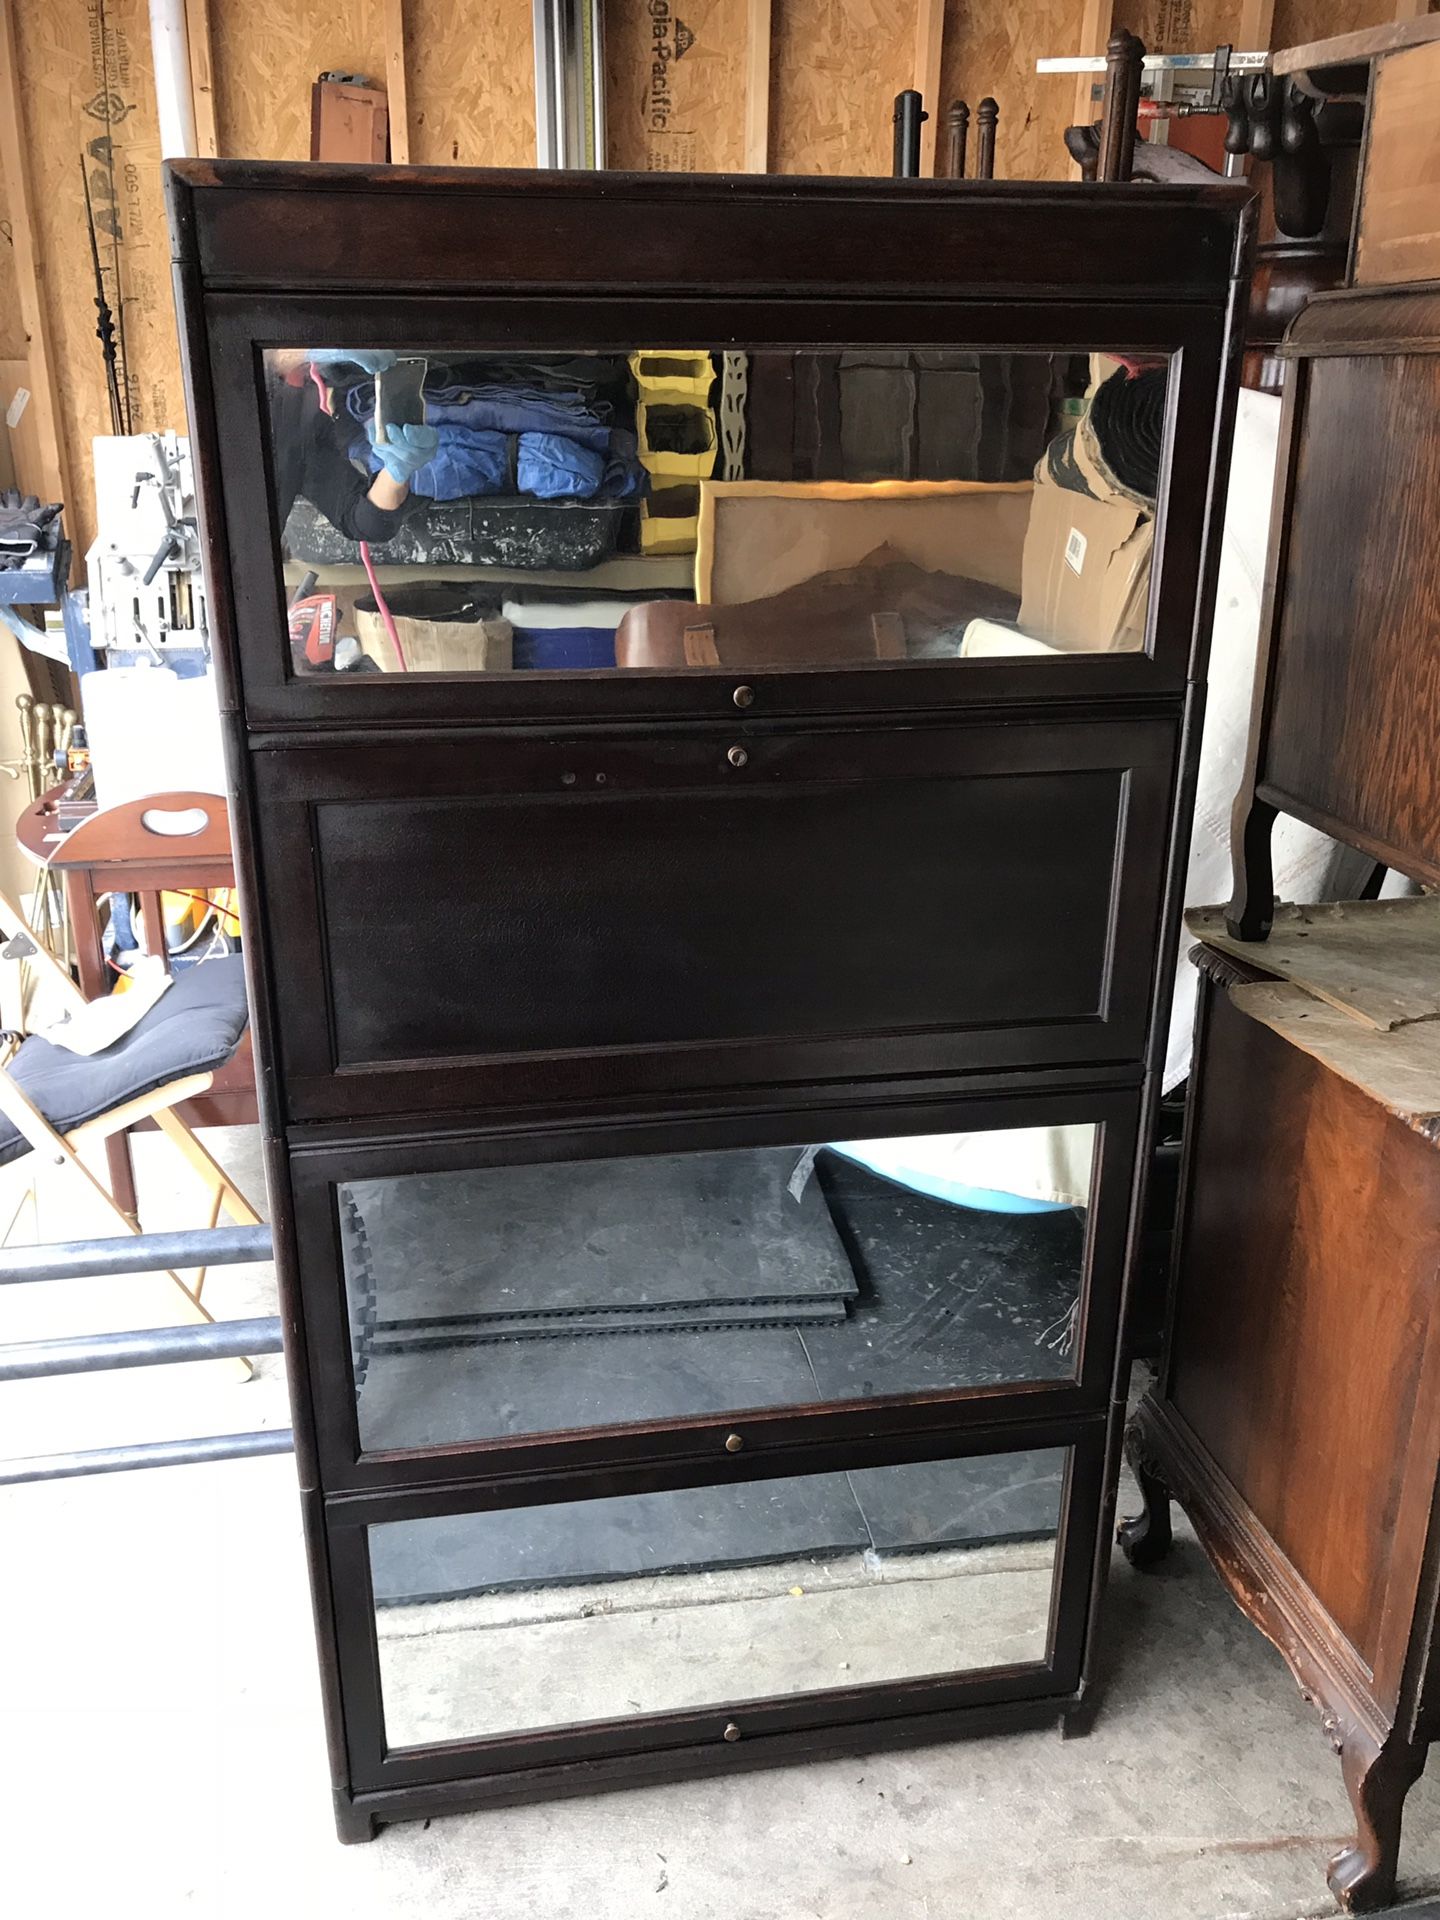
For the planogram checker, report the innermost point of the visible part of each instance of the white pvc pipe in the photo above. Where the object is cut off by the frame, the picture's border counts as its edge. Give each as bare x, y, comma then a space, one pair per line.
170, 51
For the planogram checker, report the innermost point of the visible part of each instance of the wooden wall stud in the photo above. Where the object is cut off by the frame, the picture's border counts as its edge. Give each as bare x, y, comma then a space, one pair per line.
397, 85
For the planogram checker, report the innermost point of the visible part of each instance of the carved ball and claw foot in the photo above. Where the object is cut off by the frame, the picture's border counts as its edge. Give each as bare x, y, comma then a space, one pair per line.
1146, 1537
1362, 1875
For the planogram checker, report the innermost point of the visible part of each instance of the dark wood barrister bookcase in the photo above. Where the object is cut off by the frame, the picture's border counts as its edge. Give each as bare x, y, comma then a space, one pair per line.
611, 1025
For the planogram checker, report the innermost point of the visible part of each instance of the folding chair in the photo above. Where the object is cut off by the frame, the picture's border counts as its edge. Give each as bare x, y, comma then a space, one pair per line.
55, 1103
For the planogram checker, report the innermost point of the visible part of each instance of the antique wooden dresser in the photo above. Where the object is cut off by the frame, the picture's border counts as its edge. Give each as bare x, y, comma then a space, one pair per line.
1295, 1413
702, 1106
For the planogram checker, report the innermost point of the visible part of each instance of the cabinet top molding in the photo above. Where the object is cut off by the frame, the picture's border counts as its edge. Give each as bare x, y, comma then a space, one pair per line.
274, 226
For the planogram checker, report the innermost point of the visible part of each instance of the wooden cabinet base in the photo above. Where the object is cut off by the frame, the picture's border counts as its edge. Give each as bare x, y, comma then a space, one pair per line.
1379, 1763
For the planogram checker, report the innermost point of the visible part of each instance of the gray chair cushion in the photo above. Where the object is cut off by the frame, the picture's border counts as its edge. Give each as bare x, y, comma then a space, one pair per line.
194, 1027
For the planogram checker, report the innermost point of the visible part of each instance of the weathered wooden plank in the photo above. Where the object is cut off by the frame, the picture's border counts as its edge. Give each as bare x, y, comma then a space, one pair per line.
1400, 1069
1375, 961
397, 85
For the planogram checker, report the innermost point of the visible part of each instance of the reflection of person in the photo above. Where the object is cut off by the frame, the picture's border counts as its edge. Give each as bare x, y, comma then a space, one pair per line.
309, 460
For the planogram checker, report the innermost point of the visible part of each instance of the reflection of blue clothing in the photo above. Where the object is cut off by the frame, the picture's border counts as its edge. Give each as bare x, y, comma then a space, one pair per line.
505, 409
562, 448
518, 410
547, 466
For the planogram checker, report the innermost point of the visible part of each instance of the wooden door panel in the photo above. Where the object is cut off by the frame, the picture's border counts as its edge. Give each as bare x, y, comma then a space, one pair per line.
572, 918
1356, 700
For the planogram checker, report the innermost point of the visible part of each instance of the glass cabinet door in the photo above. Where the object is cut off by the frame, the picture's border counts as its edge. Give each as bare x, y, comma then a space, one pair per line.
585, 1611
742, 510
536, 1301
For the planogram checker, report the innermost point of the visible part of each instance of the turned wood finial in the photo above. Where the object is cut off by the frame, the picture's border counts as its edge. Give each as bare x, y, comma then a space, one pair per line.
957, 133
1124, 58
987, 118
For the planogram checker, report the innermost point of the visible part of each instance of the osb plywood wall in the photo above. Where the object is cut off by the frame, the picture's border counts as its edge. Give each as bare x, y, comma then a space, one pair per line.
835, 68
1182, 26
471, 67
1185, 26
992, 50
266, 53
678, 77
89, 102
1297, 21
674, 81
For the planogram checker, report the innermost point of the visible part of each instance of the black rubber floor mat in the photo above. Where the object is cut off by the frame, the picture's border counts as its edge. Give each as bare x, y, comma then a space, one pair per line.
615, 1539
467, 1393
595, 1236
415, 1336
706, 1529
949, 1296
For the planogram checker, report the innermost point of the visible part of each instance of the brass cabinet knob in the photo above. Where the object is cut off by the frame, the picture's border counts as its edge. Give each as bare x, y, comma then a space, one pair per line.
744, 696
737, 756
732, 1732
734, 1443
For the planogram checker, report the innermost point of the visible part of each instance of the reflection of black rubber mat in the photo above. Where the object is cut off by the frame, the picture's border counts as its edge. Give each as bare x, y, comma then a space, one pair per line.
483, 1392
949, 1296
944, 1297
704, 1529
675, 1241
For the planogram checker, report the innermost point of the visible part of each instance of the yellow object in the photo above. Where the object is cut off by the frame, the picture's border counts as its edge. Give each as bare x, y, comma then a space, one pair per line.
662, 374
670, 532
665, 465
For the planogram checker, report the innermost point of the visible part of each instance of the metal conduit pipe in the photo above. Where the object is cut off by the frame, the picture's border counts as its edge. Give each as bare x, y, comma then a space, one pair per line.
152, 1453
140, 1253
143, 1347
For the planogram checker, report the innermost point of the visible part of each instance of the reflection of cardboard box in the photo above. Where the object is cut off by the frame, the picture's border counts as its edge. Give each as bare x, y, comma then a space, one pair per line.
1085, 577
436, 646
758, 537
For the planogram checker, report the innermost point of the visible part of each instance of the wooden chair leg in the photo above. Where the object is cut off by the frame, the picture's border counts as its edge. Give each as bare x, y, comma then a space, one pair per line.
64, 1151
26, 1193
122, 1173
192, 1310
210, 1170
212, 1222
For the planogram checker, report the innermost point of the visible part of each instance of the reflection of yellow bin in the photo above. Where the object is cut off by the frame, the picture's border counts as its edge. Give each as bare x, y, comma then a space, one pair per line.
677, 440
670, 520
662, 375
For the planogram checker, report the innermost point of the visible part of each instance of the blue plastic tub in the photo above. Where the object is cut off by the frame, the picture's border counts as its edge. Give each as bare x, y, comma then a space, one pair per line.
570, 648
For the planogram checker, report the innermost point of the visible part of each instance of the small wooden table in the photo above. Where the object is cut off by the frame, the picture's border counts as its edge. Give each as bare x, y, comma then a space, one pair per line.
136, 848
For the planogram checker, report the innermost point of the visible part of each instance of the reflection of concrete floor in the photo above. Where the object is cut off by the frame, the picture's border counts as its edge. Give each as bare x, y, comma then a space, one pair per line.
161, 1753
512, 1661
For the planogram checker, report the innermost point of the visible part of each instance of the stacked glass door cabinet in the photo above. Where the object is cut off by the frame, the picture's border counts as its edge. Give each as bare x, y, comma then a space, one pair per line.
712, 669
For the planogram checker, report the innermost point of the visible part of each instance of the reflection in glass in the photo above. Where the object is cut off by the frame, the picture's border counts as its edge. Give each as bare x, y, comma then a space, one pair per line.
495, 1623
680, 509
527, 1299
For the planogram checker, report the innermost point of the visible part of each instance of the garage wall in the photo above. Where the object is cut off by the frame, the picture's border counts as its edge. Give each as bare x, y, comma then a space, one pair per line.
800, 86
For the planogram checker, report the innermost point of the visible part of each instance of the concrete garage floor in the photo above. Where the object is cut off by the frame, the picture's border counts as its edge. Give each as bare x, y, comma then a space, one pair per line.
160, 1747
